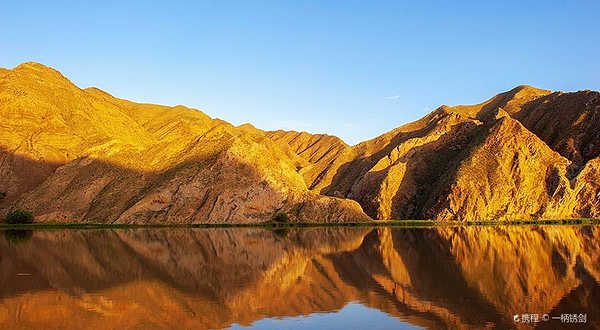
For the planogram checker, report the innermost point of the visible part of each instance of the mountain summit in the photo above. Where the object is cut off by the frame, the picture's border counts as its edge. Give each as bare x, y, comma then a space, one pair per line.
73, 155
82, 155
524, 154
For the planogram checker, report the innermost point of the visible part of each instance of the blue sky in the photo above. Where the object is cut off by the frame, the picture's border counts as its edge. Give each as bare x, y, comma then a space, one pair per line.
349, 68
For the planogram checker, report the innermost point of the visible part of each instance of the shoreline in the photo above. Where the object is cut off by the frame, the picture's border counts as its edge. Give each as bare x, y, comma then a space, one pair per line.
280, 225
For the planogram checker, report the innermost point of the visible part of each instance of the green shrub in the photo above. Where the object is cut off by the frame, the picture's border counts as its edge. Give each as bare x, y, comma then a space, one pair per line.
19, 217
281, 217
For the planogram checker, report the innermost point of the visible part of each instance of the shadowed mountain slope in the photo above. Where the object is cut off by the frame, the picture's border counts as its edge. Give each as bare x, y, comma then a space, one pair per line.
84, 156
524, 154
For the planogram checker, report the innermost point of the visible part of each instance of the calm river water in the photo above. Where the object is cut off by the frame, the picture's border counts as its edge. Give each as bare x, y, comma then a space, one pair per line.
516, 277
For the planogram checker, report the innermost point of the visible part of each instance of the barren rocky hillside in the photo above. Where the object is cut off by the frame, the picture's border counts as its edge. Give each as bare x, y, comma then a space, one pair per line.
73, 155
524, 154
82, 155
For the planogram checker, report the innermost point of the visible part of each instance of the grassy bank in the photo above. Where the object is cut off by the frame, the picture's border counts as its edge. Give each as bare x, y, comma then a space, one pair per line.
273, 224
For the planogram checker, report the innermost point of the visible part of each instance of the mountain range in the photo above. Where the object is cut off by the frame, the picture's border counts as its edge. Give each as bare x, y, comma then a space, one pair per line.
81, 155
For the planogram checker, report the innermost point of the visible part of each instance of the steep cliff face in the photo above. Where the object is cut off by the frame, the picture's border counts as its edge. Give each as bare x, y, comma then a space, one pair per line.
524, 154
84, 156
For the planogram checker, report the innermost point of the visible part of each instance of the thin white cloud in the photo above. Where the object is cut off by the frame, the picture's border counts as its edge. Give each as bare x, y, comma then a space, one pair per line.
393, 97
426, 109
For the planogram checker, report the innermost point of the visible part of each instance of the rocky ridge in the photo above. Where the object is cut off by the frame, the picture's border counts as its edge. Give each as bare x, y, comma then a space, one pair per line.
524, 154
73, 155
82, 155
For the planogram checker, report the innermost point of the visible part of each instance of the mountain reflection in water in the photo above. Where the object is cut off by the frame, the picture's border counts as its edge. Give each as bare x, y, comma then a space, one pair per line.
434, 278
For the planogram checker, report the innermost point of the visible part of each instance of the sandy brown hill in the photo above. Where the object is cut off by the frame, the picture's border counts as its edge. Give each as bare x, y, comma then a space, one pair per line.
568, 122
524, 154
70, 154
83, 155
320, 151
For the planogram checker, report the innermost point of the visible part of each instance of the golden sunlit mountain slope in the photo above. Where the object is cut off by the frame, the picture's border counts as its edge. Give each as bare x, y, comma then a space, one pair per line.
70, 154
321, 151
524, 154
73, 155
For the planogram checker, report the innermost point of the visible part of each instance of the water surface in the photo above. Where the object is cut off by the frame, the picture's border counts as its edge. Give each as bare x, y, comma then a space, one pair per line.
305, 278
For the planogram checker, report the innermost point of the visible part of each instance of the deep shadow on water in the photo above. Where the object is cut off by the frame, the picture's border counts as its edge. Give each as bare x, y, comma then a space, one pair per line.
433, 278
